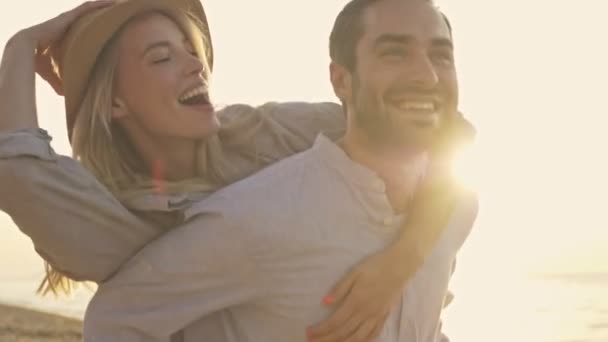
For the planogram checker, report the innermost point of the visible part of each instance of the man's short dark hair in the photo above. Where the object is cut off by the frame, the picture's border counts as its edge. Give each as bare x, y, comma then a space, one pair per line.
348, 30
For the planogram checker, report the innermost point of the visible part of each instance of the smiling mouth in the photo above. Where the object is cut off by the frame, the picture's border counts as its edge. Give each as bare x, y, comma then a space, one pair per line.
418, 106
195, 97
422, 113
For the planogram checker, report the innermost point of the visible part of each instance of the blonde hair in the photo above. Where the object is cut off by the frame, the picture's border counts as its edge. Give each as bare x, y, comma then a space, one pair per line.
100, 145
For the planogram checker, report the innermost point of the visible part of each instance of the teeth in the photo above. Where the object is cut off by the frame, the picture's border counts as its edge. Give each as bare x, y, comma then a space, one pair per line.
413, 105
200, 90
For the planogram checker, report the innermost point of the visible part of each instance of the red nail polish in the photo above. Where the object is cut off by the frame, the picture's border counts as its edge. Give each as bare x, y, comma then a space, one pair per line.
328, 300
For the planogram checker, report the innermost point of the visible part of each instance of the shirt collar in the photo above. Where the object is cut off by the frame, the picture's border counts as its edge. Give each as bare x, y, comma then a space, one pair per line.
334, 156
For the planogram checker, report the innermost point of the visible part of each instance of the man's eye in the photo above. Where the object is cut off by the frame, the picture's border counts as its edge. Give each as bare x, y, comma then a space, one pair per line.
443, 57
394, 53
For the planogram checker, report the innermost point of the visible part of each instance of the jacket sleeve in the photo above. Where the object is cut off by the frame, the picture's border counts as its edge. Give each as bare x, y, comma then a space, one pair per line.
274, 131
251, 138
207, 265
73, 220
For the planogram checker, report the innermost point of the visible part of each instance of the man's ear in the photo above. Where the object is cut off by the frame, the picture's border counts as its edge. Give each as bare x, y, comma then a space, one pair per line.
341, 80
119, 108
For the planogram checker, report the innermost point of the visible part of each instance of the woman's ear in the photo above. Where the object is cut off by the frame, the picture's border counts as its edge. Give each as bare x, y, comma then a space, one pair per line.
119, 108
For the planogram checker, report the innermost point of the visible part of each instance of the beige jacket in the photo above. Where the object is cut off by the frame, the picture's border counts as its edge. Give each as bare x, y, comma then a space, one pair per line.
83, 230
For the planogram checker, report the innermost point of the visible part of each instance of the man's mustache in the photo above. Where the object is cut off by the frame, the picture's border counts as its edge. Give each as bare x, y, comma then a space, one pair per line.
413, 91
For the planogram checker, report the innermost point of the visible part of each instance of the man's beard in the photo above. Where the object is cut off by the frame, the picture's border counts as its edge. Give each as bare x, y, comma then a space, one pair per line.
381, 129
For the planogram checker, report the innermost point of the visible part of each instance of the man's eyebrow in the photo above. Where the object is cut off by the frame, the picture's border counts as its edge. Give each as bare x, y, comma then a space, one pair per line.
442, 42
404, 39
393, 38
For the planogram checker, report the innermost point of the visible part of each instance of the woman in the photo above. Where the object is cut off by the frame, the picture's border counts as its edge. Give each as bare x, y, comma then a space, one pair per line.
143, 128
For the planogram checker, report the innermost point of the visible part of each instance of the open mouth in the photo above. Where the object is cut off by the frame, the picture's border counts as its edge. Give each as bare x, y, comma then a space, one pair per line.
421, 113
418, 106
195, 97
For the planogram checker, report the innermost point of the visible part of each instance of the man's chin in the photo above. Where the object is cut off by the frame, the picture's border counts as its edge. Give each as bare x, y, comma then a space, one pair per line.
418, 137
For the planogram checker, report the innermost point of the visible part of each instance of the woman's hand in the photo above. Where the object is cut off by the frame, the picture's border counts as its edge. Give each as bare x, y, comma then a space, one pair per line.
29, 52
368, 293
366, 297
48, 34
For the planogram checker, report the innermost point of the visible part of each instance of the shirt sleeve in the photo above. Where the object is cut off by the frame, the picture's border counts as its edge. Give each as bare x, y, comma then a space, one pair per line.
251, 138
73, 220
274, 131
207, 265
449, 297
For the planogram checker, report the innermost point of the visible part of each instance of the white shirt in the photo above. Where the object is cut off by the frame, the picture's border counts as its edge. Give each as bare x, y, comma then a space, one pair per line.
256, 258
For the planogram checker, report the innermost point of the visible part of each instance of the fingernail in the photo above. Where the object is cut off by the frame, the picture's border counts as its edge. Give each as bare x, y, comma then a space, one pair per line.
328, 300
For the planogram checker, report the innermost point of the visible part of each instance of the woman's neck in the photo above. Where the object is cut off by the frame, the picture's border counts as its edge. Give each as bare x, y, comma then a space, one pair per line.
170, 159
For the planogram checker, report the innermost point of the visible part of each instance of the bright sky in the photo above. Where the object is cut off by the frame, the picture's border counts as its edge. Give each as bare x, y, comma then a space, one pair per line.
532, 75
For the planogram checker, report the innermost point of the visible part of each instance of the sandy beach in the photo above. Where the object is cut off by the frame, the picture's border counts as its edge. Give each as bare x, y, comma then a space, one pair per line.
560, 308
23, 325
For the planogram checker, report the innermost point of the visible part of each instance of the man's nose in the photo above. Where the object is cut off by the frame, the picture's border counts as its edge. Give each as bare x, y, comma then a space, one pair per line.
422, 73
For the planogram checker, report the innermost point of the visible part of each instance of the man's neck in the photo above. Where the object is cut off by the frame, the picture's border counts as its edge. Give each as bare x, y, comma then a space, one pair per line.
398, 169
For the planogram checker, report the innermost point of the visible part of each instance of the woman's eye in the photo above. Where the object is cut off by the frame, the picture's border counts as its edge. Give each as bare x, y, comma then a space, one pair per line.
160, 60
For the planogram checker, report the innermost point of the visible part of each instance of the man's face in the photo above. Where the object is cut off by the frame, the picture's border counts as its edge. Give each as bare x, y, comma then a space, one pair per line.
404, 83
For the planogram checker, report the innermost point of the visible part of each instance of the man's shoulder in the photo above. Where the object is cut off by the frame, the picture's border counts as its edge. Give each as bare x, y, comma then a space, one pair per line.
276, 178
259, 194
463, 217
468, 205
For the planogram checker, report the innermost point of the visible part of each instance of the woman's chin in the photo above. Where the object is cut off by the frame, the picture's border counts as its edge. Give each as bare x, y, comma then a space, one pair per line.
208, 128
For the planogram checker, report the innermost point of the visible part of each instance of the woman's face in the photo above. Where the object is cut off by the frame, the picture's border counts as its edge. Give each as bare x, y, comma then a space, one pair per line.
160, 91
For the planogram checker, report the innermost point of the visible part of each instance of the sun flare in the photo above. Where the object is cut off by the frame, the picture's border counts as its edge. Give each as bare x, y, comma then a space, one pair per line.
467, 168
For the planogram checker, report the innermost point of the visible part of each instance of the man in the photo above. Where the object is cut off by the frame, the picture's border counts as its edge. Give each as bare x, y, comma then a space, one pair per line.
254, 262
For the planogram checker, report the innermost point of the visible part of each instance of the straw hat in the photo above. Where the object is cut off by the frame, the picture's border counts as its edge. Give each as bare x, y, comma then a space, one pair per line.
88, 36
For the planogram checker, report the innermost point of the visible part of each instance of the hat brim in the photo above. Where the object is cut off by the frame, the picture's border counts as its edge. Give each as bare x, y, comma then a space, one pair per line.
87, 38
